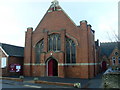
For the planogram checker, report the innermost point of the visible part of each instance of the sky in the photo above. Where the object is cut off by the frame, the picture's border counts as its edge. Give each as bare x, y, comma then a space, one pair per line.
17, 15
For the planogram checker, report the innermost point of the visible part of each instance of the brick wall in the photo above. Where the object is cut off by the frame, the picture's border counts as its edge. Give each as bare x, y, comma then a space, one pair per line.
15, 60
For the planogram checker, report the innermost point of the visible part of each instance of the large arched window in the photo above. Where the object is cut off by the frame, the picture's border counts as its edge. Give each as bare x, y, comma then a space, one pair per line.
54, 42
38, 50
70, 51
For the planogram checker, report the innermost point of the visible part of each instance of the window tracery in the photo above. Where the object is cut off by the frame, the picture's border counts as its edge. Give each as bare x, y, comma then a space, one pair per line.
70, 51
38, 50
54, 42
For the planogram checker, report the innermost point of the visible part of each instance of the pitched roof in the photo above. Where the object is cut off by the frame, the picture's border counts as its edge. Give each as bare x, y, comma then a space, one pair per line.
56, 19
107, 48
12, 50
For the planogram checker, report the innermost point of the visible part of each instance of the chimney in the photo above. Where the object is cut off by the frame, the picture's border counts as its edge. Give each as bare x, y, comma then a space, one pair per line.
29, 29
83, 24
89, 26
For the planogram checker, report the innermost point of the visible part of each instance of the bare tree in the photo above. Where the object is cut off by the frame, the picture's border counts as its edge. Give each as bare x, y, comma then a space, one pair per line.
114, 38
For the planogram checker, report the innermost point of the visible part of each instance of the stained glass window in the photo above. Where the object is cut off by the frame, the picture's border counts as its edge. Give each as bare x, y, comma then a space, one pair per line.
39, 49
59, 44
73, 52
54, 42
70, 51
67, 51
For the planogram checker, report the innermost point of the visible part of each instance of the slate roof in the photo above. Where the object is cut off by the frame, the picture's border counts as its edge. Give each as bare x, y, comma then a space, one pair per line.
12, 50
107, 48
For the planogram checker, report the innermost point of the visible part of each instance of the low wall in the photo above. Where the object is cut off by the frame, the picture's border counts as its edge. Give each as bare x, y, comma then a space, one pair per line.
111, 80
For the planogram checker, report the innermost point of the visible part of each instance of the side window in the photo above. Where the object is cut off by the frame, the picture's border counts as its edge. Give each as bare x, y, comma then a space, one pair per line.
113, 60
119, 60
38, 50
70, 51
3, 62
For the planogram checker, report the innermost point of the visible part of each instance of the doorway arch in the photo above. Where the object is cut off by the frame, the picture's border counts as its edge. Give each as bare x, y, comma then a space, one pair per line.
52, 67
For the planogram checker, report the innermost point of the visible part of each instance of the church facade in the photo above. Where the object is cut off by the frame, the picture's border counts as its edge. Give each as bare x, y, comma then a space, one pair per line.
57, 47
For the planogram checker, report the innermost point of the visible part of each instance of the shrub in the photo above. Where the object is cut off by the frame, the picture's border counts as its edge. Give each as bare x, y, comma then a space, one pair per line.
35, 79
77, 85
21, 77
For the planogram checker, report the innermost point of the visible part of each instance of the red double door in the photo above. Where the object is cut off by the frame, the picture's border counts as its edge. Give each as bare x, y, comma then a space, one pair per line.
52, 67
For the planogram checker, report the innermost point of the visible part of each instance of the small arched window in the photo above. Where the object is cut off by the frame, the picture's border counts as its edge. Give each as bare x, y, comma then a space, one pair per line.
54, 42
38, 50
70, 51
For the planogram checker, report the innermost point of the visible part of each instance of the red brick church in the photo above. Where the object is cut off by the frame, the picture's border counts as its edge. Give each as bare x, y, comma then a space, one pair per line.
58, 47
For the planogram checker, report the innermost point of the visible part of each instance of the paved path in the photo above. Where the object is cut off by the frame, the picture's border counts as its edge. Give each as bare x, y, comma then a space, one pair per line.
95, 82
85, 83
60, 80
15, 84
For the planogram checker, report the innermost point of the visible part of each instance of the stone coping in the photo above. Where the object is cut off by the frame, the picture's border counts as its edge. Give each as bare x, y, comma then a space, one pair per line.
14, 79
39, 82
109, 73
54, 83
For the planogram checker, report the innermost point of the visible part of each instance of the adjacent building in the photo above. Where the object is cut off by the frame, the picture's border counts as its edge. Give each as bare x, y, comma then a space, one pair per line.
58, 47
11, 60
110, 54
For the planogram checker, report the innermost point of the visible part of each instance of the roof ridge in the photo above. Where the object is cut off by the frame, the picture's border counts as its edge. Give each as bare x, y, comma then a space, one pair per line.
11, 45
108, 42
